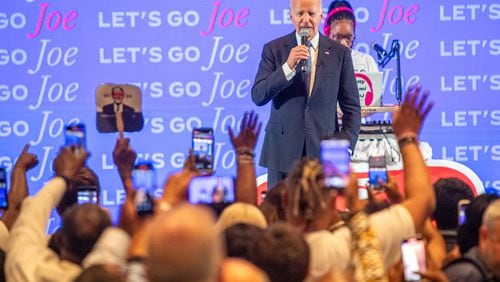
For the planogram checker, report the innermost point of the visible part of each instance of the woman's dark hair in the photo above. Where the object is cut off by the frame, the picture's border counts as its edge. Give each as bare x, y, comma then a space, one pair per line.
468, 233
239, 239
282, 252
338, 11
271, 206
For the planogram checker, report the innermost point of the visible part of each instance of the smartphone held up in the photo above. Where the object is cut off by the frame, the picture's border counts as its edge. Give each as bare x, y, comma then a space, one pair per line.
87, 194
413, 253
4, 198
75, 135
144, 179
203, 148
377, 171
212, 190
461, 208
336, 160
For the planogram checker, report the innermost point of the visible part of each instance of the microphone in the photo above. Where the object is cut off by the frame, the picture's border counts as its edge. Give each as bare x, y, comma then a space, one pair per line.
381, 53
304, 39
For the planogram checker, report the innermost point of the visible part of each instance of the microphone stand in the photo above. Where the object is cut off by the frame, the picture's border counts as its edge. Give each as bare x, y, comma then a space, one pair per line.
384, 60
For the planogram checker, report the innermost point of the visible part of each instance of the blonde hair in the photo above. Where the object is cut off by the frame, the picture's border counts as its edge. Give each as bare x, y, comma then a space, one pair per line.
241, 213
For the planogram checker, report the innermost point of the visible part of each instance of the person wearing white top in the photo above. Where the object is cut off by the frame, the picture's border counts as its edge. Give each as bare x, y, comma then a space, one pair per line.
363, 62
311, 207
28, 256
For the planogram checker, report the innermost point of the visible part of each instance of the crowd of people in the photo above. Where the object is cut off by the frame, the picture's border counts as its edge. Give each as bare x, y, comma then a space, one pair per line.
302, 231
296, 234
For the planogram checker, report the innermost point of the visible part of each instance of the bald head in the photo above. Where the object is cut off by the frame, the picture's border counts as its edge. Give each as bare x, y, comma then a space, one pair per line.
489, 238
491, 216
184, 246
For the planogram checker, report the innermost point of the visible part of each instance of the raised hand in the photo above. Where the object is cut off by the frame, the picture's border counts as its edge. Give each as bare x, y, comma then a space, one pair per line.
67, 164
19, 185
391, 189
26, 160
176, 186
244, 145
409, 118
249, 132
124, 157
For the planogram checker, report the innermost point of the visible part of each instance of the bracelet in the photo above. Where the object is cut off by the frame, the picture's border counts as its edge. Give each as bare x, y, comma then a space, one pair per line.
245, 151
407, 134
245, 159
402, 142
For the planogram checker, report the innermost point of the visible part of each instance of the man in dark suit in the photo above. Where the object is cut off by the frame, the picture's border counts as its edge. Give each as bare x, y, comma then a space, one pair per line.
107, 118
304, 104
117, 94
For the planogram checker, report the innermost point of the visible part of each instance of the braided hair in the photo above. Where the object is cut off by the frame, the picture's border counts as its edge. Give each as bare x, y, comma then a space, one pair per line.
305, 185
337, 11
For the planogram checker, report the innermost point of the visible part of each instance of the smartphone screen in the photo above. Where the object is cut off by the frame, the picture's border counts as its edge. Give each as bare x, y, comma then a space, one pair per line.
377, 171
4, 199
211, 190
143, 176
87, 194
462, 207
75, 135
335, 159
144, 179
203, 147
413, 252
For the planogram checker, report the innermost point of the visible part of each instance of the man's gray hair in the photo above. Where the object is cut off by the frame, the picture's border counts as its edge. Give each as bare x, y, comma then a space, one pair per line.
291, 5
491, 215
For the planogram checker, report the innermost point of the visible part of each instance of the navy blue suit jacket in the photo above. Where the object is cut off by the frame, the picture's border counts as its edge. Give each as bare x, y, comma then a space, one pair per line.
297, 119
106, 120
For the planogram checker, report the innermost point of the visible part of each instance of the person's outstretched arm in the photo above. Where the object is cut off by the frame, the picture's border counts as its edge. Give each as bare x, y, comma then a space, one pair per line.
26, 248
407, 123
404, 219
124, 159
244, 145
19, 185
436, 247
175, 189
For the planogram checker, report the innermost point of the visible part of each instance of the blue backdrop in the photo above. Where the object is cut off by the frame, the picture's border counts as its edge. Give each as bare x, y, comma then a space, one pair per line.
195, 61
